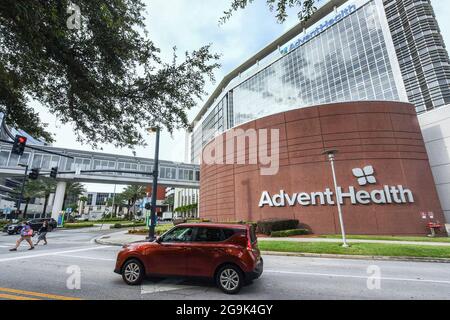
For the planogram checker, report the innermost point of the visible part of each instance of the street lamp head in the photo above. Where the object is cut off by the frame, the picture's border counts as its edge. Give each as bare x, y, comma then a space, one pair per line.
331, 153
153, 129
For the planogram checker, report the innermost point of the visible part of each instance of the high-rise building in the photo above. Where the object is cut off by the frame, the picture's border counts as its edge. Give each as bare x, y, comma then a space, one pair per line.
347, 51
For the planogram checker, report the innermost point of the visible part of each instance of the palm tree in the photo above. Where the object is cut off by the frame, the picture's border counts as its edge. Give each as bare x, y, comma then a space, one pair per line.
48, 186
74, 190
132, 194
30, 191
83, 201
117, 204
41, 188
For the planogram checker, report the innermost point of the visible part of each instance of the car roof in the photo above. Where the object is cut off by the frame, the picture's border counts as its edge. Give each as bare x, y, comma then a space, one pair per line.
215, 225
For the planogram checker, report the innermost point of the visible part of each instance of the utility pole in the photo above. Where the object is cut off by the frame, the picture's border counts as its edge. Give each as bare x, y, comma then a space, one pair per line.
332, 157
151, 233
19, 202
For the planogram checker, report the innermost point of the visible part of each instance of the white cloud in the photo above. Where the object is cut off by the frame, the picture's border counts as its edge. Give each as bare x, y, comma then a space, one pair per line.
190, 24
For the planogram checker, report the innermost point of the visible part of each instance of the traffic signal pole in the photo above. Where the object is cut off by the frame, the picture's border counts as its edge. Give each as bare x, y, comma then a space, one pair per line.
151, 233
19, 202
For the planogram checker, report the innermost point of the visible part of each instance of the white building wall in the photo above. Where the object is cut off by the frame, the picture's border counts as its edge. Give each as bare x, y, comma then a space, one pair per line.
184, 197
436, 131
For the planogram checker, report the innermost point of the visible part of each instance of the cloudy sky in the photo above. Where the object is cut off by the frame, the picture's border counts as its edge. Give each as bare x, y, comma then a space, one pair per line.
190, 24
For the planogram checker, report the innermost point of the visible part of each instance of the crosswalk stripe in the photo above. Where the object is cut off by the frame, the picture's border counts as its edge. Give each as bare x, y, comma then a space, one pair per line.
37, 294
11, 297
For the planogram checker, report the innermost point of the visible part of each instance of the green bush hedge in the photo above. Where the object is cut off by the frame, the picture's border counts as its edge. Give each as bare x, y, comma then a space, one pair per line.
267, 226
78, 225
128, 225
111, 220
289, 233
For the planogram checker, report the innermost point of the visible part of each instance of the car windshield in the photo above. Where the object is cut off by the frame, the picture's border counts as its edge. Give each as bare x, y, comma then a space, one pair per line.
178, 235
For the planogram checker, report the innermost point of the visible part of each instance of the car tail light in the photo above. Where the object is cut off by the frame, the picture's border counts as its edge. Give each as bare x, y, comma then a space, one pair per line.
249, 244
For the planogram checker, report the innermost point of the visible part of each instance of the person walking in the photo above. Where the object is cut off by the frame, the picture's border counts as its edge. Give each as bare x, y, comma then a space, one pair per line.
26, 233
43, 234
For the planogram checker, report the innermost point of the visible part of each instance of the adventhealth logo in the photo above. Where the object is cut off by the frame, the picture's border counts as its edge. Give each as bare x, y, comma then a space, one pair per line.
365, 176
324, 26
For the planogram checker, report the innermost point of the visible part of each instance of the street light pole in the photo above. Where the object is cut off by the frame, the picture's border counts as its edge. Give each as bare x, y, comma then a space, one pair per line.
19, 202
331, 157
151, 233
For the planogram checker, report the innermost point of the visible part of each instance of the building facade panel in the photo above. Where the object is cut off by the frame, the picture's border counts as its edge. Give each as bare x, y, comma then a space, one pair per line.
405, 173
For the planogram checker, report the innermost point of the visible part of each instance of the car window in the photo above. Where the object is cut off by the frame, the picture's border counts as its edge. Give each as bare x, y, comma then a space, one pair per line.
178, 235
228, 233
209, 235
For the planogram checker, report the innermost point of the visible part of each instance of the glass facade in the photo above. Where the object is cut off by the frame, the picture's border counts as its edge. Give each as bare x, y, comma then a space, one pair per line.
347, 62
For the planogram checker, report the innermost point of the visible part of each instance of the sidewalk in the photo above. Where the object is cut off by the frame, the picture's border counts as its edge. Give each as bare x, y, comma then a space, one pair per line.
119, 238
122, 237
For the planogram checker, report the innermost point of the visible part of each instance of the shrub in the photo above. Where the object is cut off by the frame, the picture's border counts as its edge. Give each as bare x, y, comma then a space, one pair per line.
78, 225
133, 225
112, 220
289, 233
267, 226
179, 221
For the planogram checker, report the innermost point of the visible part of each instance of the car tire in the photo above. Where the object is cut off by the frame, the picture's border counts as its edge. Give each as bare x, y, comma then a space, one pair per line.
230, 279
133, 272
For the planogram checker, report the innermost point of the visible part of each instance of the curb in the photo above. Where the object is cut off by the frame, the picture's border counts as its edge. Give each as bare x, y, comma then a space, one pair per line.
108, 242
351, 257
323, 256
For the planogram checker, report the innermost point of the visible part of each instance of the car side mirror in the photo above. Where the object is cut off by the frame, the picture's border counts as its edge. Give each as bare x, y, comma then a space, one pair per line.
159, 240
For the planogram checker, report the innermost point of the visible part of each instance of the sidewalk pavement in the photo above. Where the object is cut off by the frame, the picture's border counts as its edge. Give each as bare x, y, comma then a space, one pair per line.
119, 238
122, 237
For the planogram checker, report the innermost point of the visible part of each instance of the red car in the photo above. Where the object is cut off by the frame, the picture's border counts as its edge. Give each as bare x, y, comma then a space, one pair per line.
228, 254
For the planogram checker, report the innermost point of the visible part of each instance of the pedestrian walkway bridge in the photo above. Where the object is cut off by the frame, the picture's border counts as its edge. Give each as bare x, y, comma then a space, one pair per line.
171, 174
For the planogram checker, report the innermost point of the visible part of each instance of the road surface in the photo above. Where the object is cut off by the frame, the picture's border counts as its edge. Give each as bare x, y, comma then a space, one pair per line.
73, 266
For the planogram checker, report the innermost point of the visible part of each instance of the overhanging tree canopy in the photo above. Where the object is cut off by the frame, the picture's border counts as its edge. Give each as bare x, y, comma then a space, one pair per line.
105, 78
307, 8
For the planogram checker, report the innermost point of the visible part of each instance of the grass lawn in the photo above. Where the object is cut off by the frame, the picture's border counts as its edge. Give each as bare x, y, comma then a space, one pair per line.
364, 249
389, 238
160, 229
78, 225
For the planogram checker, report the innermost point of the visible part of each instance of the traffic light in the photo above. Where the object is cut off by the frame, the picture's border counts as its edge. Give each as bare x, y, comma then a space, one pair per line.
34, 174
54, 173
20, 143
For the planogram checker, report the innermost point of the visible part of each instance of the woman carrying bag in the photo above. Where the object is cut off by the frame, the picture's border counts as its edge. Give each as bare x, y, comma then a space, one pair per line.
25, 234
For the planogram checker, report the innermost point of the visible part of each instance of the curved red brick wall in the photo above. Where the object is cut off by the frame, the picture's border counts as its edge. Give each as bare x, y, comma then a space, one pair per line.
385, 135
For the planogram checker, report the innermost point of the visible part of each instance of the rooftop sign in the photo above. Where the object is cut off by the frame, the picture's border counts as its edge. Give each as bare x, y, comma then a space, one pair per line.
327, 23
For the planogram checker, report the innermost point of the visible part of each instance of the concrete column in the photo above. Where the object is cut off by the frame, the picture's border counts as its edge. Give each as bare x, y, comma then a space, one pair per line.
59, 199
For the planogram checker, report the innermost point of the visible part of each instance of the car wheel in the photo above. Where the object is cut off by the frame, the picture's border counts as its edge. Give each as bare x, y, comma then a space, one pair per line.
230, 279
133, 272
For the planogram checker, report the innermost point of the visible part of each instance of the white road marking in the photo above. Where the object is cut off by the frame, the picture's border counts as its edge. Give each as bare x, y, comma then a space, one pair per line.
52, 254
351, 276
84, 257
164, 286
